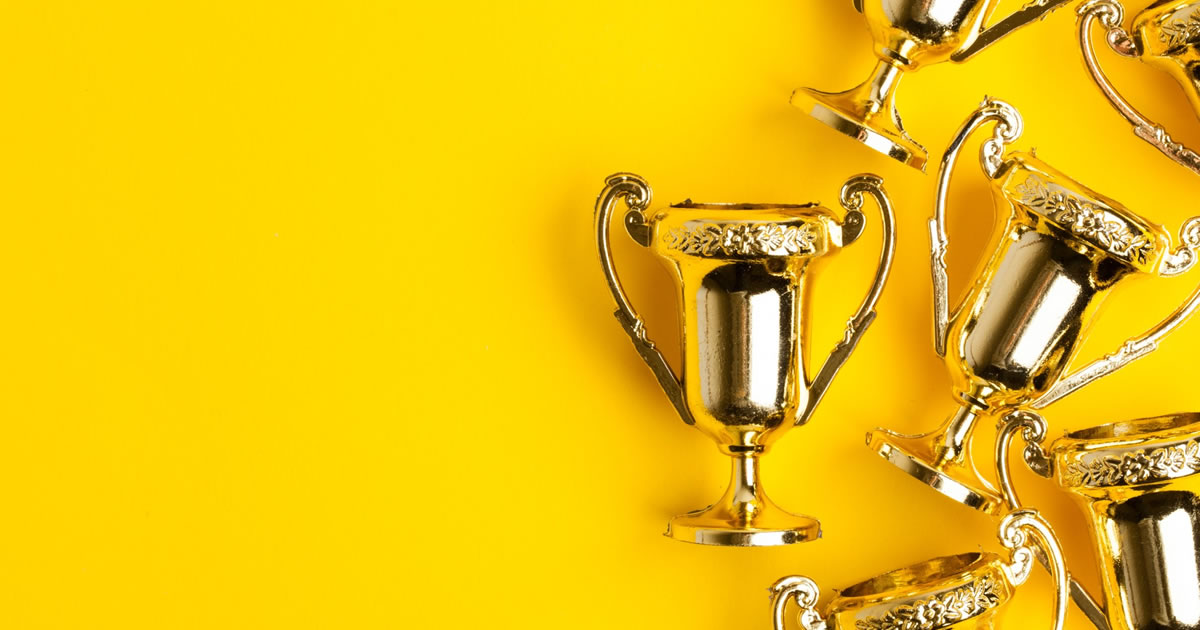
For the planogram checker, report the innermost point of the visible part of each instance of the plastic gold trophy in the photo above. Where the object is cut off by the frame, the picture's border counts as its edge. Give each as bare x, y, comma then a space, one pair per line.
952, 592
910, 34
1165, 35
1138, 482
740, 270
1060, 252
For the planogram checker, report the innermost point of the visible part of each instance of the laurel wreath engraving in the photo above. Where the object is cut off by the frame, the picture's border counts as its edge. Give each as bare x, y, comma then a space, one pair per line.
1085, 219
940, 611
1167, 462
1183, 28
743, 239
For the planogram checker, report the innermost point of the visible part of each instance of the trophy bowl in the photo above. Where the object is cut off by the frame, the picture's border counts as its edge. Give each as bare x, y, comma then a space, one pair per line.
1062, 249
963, 591
1138, 483
909, 34
1165, 35
740, 272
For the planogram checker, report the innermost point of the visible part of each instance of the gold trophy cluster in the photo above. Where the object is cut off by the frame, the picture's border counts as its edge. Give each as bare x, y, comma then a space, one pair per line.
740, 272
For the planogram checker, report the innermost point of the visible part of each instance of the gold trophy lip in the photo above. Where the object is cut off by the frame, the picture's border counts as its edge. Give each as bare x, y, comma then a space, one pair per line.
922, 577
884, 443
1129, 453
688, 204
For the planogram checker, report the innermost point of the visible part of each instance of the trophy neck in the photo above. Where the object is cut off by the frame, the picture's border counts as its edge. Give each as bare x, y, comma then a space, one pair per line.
962, 591
913, 34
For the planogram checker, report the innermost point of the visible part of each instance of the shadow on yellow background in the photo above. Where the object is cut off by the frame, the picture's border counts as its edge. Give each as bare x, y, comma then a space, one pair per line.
305, 326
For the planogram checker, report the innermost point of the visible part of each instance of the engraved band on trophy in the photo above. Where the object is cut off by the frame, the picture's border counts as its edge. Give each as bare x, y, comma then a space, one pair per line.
910, 34
1138, 483
740, 271
964, 591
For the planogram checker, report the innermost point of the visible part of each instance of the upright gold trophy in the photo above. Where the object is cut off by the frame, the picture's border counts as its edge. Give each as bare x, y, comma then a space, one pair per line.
1138, 482
966, 591
740, 271
1008, 344
1165, 35
909, 34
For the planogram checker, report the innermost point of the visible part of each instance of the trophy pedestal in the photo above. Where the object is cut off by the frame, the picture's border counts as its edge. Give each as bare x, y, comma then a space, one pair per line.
919, 456
866, 113
744, 517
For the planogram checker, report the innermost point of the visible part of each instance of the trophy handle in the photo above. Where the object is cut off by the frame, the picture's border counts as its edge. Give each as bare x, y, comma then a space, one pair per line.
637, 195
1016, 530
805, 592
1111, 14
1032, 427
1008, 129
1032, 11
852, 201
1180, 260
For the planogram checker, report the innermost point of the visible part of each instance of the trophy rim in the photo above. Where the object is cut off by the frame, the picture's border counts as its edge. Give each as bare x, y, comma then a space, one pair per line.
1129, 453
926, 575
688, 204
1138, 430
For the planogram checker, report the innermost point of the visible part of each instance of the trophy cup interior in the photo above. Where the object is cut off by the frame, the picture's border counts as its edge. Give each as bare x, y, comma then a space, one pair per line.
960, 591
1137, 482
740, 271
1168, 37
1061, 250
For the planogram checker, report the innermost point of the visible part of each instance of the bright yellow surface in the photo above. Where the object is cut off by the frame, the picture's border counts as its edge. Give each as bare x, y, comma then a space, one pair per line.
304, 326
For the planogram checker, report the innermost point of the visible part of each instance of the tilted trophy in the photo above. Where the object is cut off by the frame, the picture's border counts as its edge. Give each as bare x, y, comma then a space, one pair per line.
952, 592
740, 270
1138, 482
910, 34
1165, 35
1061, 251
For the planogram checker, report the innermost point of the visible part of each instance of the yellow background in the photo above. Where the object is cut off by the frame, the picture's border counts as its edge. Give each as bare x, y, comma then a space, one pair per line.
304, 326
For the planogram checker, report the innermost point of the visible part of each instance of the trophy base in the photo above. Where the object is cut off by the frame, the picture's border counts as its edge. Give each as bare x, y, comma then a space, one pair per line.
915, 455
850, 113
771, 527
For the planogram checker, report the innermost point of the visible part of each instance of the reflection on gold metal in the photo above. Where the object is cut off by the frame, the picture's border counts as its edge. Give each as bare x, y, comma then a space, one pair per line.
1137, 483
1008, 344
964, 591
740, 271
909, 34
1166, 35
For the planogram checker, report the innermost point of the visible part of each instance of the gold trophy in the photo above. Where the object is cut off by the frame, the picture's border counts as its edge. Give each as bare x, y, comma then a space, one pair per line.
1138, 482
1166, 35
909, 34
740, 271
952, 592
1062, 249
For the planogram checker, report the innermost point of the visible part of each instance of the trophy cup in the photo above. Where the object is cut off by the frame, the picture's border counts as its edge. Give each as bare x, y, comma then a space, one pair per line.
1062, 249
964, 591
1139, 486
909, 34
740, 270
1165, 35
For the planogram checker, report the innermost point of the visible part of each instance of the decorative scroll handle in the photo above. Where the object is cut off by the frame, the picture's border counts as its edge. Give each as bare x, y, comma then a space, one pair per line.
853, 224
1016, 530
1032, 11
1111, 14
1180, 260
805, 592
637, 195
1008, 129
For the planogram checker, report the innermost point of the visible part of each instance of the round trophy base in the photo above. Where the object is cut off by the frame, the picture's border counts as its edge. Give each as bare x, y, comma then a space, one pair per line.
770, 527
848, 113
959, 480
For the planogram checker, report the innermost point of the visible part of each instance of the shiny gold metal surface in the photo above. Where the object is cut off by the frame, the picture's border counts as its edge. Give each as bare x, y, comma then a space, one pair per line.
1139, 486
1165, 35
740, 271
964, 591
1061, 250
909, 34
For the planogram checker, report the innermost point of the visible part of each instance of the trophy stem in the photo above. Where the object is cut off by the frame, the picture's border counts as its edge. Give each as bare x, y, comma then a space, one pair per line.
744, 516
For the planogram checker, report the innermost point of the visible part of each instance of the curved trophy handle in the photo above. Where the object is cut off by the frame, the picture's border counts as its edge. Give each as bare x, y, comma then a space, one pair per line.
637, 195
805, 592
858, 5
1180, 260
1032, 11
852, 201
1016, 530
1111, 14
1008, 129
